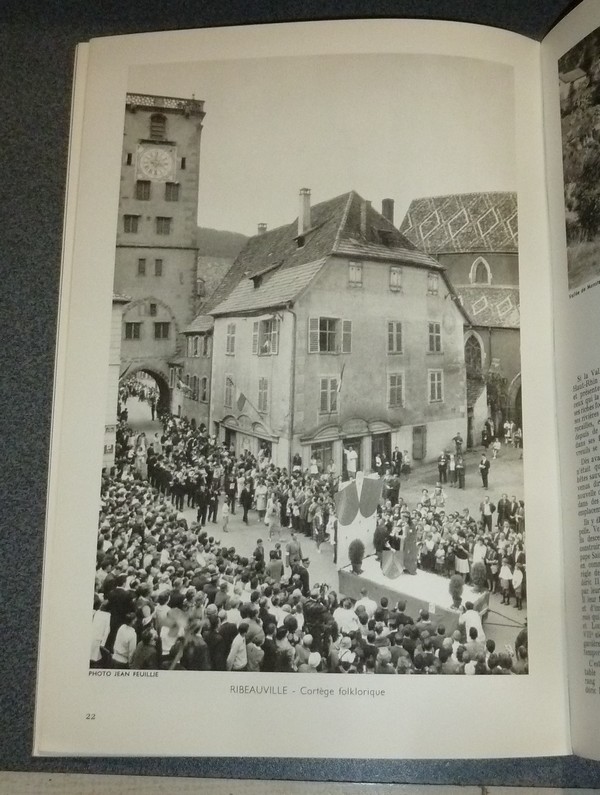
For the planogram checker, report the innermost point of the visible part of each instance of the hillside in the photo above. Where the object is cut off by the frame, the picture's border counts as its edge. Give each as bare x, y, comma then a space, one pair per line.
219, 243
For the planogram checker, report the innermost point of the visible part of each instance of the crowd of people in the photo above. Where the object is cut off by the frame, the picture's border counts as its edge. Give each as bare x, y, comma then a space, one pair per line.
171, 594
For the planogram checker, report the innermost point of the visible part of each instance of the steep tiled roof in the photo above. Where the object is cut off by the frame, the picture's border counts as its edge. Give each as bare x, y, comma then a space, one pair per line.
342, 226
490, 305
199, 325
463, 222
283, 287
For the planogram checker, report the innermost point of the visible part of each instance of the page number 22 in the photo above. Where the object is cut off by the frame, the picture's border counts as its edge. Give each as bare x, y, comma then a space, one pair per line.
90, 716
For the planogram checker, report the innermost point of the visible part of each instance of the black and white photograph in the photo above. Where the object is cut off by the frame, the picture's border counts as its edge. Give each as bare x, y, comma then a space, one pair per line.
313, 451
579, 87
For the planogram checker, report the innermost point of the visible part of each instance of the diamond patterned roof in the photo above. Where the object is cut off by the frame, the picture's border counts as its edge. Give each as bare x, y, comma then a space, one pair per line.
488, 305
468, 222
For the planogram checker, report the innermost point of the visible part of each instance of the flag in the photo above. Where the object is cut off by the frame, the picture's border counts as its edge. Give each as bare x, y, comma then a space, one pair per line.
182, 386
339, 386
241, 401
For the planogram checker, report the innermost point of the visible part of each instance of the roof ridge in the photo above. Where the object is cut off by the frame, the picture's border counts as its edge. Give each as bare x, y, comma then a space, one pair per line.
344, 219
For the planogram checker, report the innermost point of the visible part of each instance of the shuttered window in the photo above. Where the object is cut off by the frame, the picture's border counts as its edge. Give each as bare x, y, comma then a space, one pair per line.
329, 335
265, 337
394, 342
263, 395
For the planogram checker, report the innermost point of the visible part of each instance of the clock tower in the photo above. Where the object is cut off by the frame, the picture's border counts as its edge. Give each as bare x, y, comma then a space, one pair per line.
156, 251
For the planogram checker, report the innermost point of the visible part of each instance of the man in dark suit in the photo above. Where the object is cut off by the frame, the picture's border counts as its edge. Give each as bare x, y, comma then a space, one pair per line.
397, 461
230, 489
484, 470
301, 569
270, 649
504, 508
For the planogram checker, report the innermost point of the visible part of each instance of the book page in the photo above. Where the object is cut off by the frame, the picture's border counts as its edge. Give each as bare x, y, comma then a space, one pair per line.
316, 456
571, 58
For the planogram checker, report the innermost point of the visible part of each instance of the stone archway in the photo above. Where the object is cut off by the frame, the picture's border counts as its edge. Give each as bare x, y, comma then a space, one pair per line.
161, 380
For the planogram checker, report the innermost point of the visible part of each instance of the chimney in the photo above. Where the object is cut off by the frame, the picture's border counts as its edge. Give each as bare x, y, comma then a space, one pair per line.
364, 211
387, 210
262, 228
304, 212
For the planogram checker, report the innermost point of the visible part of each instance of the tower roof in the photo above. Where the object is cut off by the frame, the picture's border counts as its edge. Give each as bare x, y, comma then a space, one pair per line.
189, 107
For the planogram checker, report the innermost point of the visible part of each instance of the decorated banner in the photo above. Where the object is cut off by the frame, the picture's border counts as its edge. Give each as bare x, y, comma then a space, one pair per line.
356, 507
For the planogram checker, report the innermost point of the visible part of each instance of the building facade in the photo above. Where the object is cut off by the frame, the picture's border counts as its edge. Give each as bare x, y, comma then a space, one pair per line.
334, 333
475, 236
112, 389
156, 252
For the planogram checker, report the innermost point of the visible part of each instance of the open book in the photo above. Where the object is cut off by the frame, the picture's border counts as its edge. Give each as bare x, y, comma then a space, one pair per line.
307, 269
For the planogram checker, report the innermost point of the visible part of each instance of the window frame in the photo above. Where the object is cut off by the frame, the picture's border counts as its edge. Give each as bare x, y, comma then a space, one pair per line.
439, 385
263, 395
228, 391
265, 333
395, 271
395, 404
203, 390
141, 266
172, 191
143, 190
357, 269
433, 283
158, 127
328, 389
230, 340
434, 337
163, 225
131, 224
158, 268
342, 335
392, 336
162, 325
135, 326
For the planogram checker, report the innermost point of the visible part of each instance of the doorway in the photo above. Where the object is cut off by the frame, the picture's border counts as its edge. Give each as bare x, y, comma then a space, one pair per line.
353, 443
419, 442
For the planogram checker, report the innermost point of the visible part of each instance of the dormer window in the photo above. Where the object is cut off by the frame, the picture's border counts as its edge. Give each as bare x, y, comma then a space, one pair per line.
386, 236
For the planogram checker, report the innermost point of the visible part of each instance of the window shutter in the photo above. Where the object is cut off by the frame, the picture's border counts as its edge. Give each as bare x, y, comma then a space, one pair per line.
255, 337
275, 337
346, 336
324, 394
313, 336
390, 337
333, 394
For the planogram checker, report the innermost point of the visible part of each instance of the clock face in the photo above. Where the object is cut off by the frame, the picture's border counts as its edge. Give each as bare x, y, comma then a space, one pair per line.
155, 163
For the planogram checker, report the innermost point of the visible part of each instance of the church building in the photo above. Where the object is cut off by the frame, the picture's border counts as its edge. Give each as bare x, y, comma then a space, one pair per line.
475, 237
